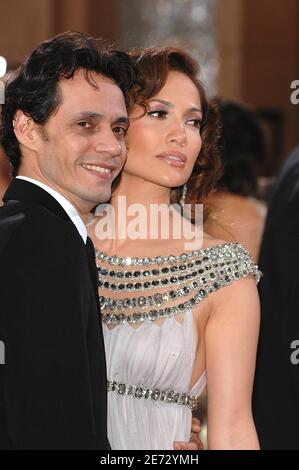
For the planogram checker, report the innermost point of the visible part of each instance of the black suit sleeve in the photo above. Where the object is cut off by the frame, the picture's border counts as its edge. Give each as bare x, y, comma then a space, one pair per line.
44, 318
285, 276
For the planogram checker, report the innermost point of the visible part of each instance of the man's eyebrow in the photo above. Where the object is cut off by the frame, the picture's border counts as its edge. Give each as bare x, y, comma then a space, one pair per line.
121, 120
88, 114
98, 116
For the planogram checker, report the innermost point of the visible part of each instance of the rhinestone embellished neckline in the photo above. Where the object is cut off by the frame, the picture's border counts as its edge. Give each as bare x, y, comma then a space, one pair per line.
199, 272
159, 260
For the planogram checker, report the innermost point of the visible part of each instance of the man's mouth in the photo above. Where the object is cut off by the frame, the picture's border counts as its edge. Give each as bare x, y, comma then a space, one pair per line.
98, 169
103, 171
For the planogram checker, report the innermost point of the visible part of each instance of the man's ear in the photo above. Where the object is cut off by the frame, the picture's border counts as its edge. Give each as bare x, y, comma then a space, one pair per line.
25, 130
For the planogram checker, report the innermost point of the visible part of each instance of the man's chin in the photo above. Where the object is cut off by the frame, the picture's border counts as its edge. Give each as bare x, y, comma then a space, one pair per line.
101, 198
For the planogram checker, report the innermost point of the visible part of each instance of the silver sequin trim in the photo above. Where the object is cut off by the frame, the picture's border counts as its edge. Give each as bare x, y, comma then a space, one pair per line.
169, 396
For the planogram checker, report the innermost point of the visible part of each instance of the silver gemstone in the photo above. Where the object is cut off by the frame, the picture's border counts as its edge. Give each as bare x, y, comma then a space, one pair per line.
141, 301
138, 392
121, 389
155, 395
158, 299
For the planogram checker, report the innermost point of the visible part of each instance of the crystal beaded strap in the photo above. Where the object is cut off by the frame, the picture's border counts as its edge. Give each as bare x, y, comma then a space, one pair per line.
216, 267
226, 250
169, 396
145, 274
176, 275
147, 261
153, 315
143, 302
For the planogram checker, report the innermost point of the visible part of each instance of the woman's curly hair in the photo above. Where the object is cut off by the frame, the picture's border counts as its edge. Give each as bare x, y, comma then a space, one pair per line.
153, 65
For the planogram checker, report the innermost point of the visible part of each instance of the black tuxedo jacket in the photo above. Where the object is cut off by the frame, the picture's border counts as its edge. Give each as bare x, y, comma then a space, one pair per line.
276, 387
53, 382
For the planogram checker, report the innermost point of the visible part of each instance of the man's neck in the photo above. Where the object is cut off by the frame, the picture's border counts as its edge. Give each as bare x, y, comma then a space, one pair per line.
82, 211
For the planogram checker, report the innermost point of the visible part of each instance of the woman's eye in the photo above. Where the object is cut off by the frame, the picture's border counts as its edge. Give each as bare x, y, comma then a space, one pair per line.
195, 122
158, 114
84, 124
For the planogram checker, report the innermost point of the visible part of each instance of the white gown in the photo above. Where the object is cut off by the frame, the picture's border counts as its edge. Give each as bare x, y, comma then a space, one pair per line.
156, 357
160, 356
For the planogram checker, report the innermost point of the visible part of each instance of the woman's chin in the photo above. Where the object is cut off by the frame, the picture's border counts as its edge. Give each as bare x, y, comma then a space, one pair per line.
155, 177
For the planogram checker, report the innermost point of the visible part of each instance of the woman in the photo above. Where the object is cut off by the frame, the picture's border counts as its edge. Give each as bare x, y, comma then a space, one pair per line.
169, 333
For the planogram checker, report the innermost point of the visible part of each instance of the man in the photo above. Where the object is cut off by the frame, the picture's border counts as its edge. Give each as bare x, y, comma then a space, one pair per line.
64, 122
276, 387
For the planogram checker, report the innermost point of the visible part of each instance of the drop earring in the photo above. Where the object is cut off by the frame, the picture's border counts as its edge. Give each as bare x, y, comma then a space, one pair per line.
184, 193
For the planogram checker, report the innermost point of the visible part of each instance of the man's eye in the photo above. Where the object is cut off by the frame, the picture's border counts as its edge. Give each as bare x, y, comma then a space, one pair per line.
120, 131
84, 124
158, 114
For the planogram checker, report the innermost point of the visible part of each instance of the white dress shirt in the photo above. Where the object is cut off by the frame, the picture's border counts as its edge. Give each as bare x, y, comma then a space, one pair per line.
65, 204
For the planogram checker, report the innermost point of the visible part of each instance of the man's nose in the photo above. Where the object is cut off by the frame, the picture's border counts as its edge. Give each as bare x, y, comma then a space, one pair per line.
108, 142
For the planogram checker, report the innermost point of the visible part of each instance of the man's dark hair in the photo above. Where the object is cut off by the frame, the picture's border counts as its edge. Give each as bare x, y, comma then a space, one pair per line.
33, 88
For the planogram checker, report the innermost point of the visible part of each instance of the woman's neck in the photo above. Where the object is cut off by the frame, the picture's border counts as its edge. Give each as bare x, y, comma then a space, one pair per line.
139, 191
151, 218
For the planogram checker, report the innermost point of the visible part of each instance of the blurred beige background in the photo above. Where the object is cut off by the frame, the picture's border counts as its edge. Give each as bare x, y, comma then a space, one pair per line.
249, 48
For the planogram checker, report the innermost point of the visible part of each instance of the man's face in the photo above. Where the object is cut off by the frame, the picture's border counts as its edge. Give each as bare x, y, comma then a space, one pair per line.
81, 148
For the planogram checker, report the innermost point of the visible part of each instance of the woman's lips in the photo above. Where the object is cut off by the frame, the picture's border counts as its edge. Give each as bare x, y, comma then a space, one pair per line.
172, 160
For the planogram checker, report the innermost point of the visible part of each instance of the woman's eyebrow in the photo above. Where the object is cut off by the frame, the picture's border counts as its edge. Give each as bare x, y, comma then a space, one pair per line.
171, 105
167, 103
195, 109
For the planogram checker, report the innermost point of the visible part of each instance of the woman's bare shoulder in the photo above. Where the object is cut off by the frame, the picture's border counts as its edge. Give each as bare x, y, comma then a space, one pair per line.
208, 241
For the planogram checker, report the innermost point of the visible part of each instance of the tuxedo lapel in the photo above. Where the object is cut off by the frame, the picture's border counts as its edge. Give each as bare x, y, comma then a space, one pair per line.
24, 191
56, 321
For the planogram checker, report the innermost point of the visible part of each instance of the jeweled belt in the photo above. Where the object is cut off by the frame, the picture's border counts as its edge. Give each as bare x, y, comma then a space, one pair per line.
192, 401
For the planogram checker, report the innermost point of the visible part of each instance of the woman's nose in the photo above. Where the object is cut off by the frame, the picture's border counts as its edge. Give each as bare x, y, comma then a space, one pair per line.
177, 134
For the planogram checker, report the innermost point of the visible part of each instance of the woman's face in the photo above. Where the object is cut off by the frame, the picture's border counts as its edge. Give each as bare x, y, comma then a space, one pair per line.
164, 143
